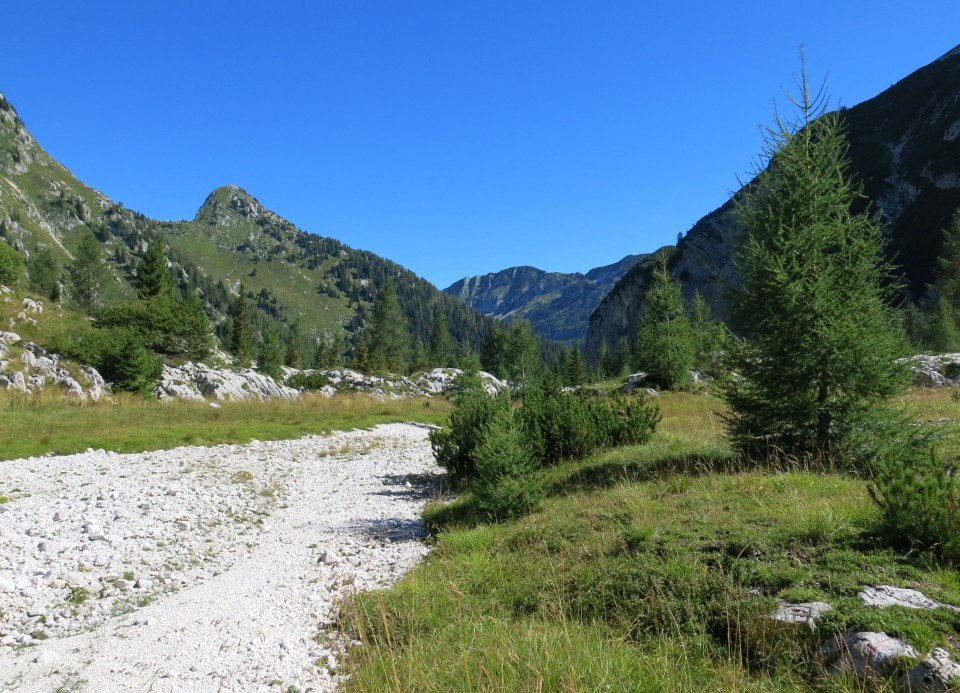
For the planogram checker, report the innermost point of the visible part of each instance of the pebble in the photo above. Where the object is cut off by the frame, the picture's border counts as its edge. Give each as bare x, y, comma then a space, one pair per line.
129, 528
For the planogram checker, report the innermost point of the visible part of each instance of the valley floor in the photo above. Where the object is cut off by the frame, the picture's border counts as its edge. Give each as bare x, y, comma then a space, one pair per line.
202, 569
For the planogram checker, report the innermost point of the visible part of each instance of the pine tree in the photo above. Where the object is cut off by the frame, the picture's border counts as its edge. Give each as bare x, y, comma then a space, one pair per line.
493, 356
621, 357
575, 373
44, 272
524, 365
442, 346
294, 357
389, 338
153, 276
270, 354
708, 335
947, 282
240, 340
361, 358
940, 325
665, 347
87, 274
194, 327
820, 341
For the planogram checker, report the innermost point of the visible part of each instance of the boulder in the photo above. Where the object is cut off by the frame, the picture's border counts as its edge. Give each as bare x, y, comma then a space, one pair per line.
865, 654
938, 672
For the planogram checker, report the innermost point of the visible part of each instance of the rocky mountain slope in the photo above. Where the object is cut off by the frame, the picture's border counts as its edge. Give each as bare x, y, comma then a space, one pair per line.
233, 240
904, 149
558, 305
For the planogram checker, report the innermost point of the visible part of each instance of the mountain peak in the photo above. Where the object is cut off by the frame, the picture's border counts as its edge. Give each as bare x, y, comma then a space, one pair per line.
229, 201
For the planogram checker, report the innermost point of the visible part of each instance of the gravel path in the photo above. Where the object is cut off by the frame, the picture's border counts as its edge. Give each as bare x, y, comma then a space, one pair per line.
202, 569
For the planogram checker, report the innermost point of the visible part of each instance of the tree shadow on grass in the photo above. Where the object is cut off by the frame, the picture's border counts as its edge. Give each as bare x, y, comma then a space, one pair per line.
610, 474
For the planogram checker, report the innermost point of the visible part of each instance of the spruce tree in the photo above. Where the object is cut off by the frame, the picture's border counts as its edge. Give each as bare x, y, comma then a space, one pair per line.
44, 272
493, 356
523, 363
153, 276
442, 346
87, 274
270, 354
575, 371
240, 340
665, 347
820, 340
389, 338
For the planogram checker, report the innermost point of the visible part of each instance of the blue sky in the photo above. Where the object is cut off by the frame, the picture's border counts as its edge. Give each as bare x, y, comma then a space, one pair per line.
454, 137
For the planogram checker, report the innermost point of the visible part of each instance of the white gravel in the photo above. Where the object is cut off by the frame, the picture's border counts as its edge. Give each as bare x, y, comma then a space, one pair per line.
202, 569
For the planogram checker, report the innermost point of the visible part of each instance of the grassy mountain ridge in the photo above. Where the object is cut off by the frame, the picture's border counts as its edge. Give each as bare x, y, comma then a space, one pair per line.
232, 241
904, 148
557, 304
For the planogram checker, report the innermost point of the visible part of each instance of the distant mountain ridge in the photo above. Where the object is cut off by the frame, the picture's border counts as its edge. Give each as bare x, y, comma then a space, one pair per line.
233, 241
557, 305
904, 149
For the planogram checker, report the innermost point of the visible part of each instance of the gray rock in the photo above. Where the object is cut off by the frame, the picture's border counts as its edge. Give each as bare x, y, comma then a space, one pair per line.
938, 672
938, 370
884, 596
807, 613
13, 381
865, 654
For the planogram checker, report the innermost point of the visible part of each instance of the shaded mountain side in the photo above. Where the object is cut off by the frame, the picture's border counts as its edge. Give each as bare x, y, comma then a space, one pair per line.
557, 305
904, 150
292, 275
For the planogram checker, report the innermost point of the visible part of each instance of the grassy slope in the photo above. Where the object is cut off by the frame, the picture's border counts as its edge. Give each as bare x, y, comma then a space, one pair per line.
637, 573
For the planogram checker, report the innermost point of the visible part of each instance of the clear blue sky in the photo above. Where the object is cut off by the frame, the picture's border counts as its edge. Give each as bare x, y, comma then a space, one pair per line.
455, 137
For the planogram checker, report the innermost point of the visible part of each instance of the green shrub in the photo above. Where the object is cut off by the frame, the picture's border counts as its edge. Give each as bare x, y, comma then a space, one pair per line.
308, 381
455, 445
920, 499
117, 353
501, 483
11, 265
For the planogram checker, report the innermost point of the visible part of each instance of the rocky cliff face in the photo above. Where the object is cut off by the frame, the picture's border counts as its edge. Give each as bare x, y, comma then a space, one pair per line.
904, 150
557, 305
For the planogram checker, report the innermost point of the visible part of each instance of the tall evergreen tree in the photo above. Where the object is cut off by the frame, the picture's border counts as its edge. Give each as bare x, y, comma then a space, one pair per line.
389, 337
493, 356
44, 272
442, 346
820, 340
575, 371
240, 339
665, 347
940, 327
294, 356
87, 274
153, 276
270, 354
524, 364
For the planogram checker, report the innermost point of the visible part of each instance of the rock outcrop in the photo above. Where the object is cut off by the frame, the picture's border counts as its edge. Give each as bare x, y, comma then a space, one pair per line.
201, 382
37, 368
939, 370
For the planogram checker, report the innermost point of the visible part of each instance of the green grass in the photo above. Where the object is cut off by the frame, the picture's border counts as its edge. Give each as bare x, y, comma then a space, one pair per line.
41, 424
646, 569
